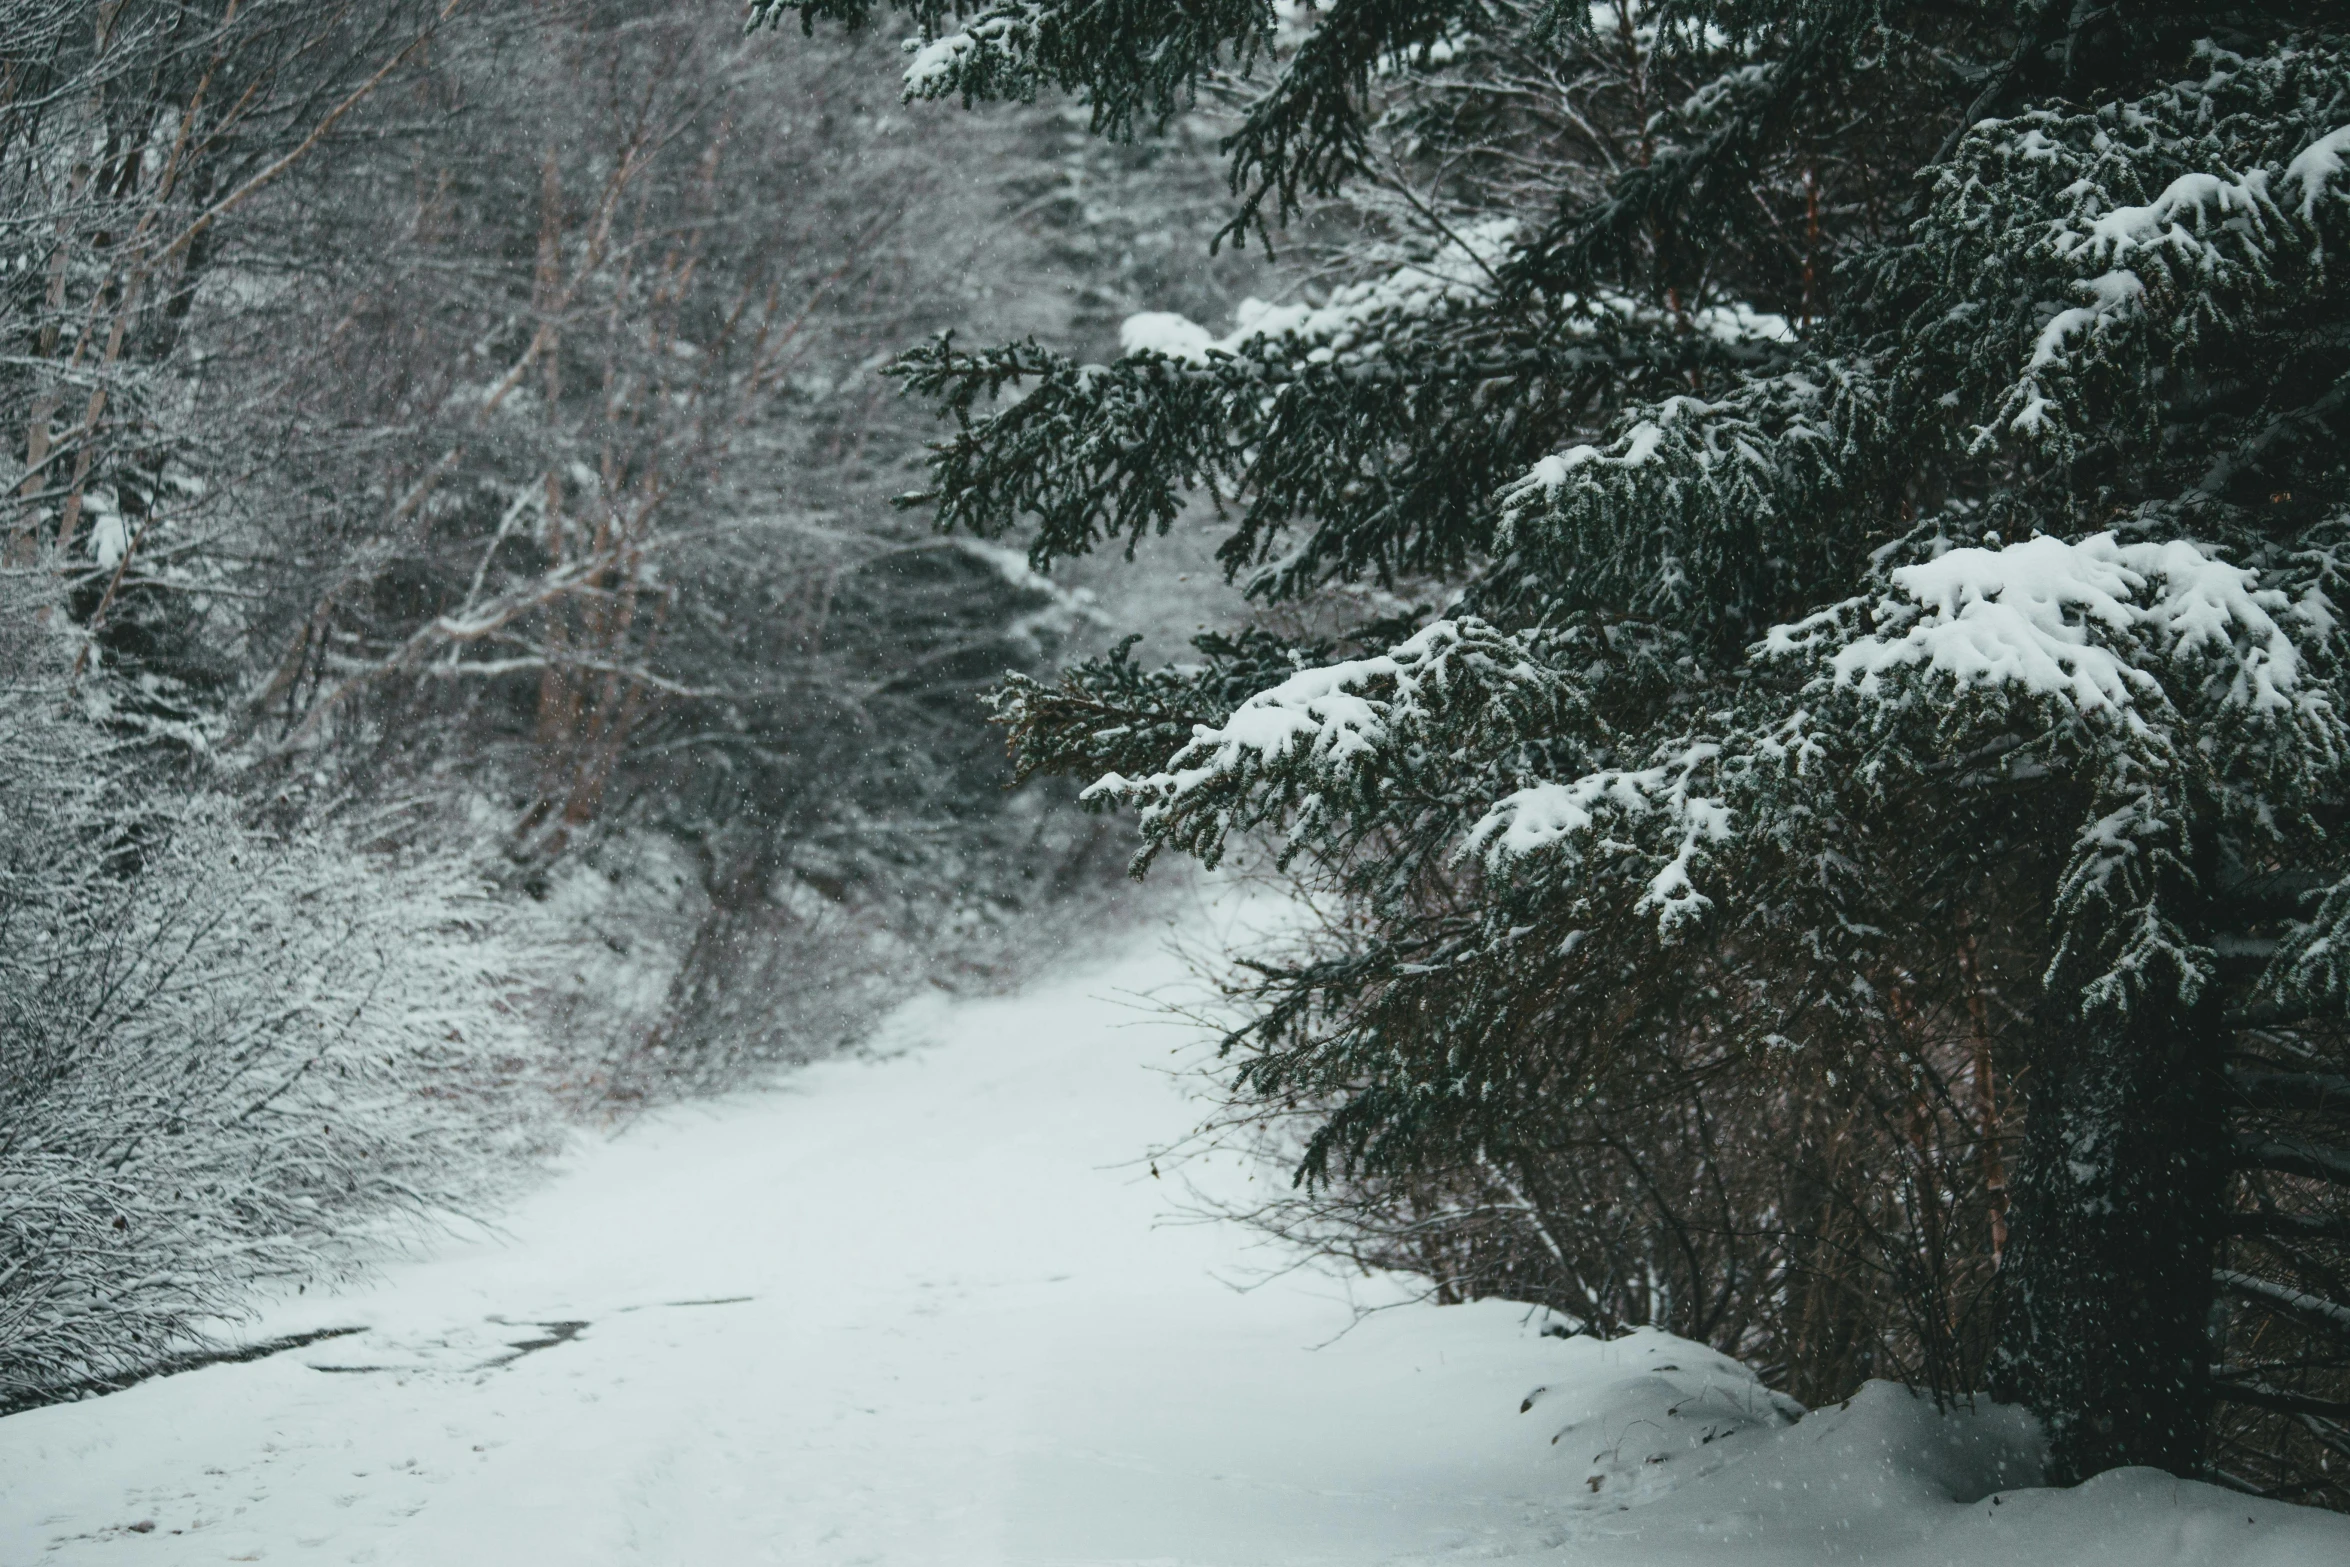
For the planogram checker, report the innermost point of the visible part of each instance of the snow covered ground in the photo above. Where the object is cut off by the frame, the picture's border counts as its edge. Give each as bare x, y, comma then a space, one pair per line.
925, 1309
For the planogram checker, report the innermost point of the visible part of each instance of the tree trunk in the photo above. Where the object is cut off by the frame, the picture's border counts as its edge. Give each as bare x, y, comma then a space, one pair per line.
2117, 1226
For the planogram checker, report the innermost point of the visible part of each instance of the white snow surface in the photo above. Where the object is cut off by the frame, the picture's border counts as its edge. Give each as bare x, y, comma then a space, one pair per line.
2314, 168
1547, 815
2030, 615
925, 1307
1321, 710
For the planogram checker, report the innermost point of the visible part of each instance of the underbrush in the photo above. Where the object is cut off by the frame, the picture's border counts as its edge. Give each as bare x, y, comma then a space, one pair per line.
233, 1059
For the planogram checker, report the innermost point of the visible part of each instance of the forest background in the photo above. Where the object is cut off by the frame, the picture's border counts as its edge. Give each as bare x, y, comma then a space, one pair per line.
461, 673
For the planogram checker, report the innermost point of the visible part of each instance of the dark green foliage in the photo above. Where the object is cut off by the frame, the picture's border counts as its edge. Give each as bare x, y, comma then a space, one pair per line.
1140, 63
1302, 438
1111, 714
1891, 727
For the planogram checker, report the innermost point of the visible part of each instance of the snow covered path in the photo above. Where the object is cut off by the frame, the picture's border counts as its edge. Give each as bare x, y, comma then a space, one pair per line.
921, 1310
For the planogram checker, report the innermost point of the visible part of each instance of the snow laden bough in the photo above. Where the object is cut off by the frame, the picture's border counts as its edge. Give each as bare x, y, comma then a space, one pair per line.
1290, 416
2176, 717
1408, 738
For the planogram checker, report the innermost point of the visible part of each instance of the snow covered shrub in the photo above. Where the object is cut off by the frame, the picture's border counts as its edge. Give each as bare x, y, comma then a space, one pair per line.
227, 1058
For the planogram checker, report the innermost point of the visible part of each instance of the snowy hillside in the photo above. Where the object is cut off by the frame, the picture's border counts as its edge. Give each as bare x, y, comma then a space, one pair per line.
798, 1327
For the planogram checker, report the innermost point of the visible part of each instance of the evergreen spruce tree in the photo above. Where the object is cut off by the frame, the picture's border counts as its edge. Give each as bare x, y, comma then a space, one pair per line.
1883, 467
